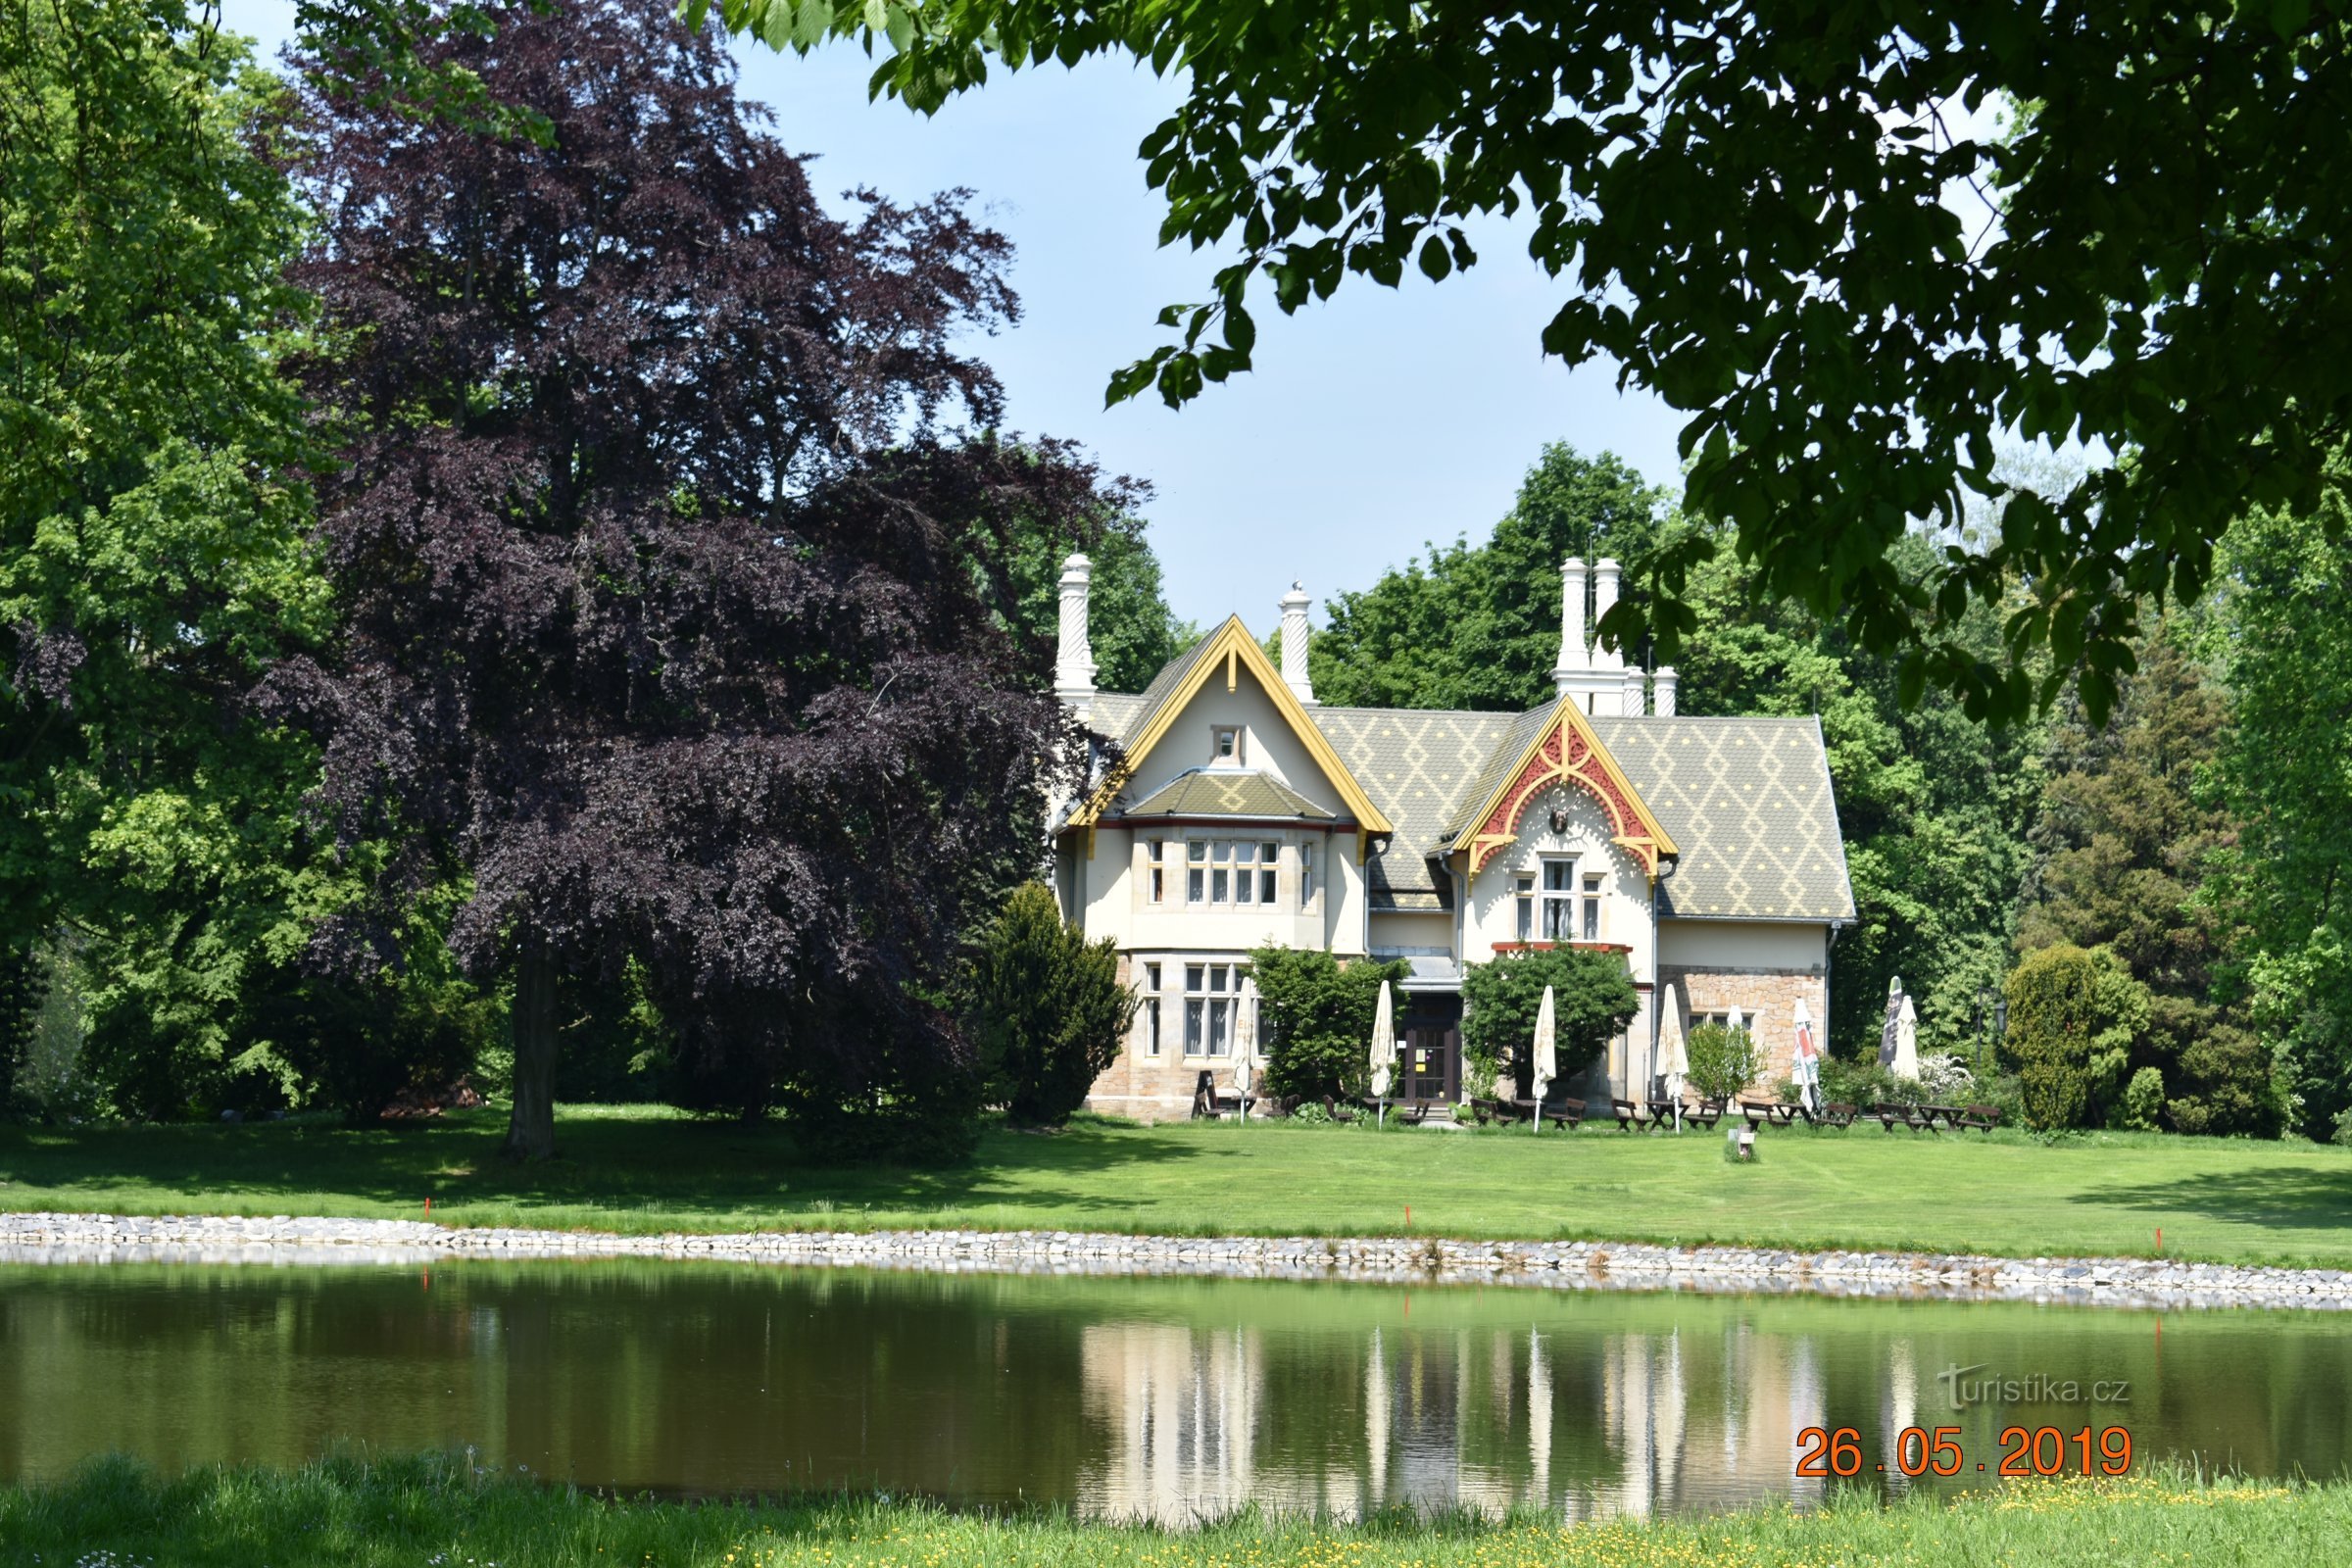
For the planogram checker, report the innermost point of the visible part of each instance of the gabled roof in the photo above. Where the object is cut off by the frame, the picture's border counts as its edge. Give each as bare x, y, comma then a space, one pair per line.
1227, 650
1417, 763
1561, 748
1228, 792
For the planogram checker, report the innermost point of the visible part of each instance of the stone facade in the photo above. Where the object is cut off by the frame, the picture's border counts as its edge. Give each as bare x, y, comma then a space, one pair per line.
1767, 996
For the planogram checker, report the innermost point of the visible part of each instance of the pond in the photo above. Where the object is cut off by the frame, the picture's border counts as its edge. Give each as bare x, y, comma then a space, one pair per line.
1133, 1397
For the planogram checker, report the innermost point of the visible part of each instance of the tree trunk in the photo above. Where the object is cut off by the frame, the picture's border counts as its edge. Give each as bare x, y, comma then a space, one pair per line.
531, 1128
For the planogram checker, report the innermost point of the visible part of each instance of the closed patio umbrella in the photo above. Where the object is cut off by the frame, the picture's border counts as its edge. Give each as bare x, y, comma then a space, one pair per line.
1548, 1051
1906, 1040
1674, 1049
1384, 1049
1244, 1044
1807, 1066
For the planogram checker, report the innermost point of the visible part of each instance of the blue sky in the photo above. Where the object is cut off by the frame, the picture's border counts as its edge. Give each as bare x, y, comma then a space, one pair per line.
1373, 423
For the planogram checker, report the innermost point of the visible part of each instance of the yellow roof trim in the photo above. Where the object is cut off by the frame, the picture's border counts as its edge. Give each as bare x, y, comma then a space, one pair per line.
1232, 646
1646, 839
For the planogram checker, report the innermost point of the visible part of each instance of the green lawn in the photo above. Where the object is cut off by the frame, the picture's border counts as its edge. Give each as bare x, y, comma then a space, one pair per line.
642, 1169
403, 1513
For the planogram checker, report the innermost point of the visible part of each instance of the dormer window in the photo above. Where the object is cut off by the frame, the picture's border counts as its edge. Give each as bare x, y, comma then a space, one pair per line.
1226, 747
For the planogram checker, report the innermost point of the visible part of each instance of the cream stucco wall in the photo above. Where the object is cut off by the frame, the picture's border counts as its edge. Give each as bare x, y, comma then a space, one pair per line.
1491, 916
1268, 744
1412, 929
1740, 944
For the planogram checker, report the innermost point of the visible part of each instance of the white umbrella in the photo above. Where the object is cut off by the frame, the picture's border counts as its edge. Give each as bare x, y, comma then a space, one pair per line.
1384, 1049
1673, 1050
1895, 1012
1906, 1040
1807, 1066
1244, 1044
1548, 1051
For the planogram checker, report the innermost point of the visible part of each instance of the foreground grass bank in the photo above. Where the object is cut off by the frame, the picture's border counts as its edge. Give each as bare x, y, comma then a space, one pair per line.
643, 1169
427, 1511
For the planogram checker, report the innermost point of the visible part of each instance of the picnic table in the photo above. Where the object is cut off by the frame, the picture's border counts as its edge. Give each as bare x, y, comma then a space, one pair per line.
1768, 1112
1563, 1113
1892, 1115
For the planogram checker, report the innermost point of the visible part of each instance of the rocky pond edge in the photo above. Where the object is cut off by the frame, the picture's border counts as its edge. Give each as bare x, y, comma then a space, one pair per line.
284, 1239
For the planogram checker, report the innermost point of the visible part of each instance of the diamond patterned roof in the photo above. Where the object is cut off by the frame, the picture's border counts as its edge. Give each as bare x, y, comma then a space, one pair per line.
1228, 792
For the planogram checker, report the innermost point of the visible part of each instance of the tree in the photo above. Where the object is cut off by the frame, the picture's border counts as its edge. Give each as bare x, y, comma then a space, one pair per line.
1723, 1061
2074, 1017
153, 515
1131, 628
2127, 834
1748, 207
1593, 1000
1316, 1016
1048, 1010
2281, 642
669, 570
1478, 626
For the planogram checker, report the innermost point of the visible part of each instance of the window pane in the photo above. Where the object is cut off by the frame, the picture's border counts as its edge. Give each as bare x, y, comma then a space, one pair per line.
1216, 976
1245, 853
1592, 919
1306, 873
1193, 888
1152, 1027
1193, 1015
1222, 852
1197, 851
1159, 884
1556, 874
1526, 917
1219, 889
1269, 852
1151, 977
1265, 887
1192, 973
1243, 882
1221, 1026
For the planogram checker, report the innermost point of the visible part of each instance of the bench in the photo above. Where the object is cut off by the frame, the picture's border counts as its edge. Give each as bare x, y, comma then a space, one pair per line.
1630, 1113
1337, 1111
1768, 1112
1567, 1114
1706, 1114
1891, 1116
1837, 1113
1983, 1118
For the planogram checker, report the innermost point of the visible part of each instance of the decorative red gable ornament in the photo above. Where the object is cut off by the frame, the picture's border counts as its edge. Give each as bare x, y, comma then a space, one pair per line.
1568, 753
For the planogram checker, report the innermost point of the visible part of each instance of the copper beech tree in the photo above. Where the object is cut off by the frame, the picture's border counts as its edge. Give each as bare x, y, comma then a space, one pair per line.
673, 570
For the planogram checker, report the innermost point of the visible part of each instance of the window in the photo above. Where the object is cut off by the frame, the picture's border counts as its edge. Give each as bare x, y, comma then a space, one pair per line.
1230, 871
1220, 871
1150, 1009
1196, 872
1523, 894
1212, 993
1267, 856
1591, 909
1306, 874
1559, 901
1227, 747
1159, 862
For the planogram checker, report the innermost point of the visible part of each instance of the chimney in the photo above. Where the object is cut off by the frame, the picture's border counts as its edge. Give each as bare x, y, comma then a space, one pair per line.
1637, 692
1294, 634
1575, 657
1663, 695
1074, 666
1604, 594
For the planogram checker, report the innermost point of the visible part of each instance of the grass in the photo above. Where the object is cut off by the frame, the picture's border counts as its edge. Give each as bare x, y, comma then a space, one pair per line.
643, 1169
354, 1514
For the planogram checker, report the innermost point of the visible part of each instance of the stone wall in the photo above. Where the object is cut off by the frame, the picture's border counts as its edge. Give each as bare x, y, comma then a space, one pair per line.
1768, 997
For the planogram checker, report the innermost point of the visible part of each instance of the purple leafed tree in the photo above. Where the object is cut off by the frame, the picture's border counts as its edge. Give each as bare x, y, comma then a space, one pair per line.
671, 570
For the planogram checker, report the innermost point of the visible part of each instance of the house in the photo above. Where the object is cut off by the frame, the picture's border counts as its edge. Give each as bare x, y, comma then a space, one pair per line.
1235, 812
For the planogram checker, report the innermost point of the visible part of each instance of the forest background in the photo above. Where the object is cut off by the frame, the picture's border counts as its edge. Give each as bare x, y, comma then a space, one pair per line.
180, 906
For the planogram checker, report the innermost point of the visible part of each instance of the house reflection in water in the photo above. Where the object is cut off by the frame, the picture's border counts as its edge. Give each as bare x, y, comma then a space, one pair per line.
1188, 1423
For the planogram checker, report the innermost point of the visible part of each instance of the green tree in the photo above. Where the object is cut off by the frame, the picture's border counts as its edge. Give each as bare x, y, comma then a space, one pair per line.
1478, 626
152, 522
1316, 1014
1048, 1008
1723, 1061
2074, 1017
1593, 1000
2281, 641
1747, 214
2126, 835
1129, 623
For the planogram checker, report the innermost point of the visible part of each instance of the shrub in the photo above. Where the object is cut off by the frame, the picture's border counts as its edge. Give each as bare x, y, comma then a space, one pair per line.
2074, 1015
1865, 1083
1315, 1019
2143, 1101
1723, 1061
1048, 1008
1593, 1000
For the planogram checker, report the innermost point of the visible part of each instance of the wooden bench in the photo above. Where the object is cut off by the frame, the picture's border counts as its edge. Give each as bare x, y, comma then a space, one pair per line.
1630, 1113
1837, 1113
1768, 1112
1707, 1112
1337, 1111
1983, 1118
1567, 1114
1891, 1116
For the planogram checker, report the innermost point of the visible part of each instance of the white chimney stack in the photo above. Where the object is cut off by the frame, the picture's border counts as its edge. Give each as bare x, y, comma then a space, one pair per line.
1575, 657
1662, 693
1605, 573
1294, 634
1074, 666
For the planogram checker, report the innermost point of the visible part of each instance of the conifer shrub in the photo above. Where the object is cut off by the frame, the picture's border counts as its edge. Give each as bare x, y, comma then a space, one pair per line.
1048, 1008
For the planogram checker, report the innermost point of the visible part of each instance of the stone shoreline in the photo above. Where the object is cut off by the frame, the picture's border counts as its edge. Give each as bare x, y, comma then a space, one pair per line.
284, 1239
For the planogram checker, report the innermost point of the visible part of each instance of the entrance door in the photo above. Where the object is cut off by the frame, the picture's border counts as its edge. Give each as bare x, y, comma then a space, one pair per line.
1431, 1063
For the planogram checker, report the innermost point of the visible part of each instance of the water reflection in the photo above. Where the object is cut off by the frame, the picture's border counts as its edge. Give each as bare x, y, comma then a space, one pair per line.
1171, 1401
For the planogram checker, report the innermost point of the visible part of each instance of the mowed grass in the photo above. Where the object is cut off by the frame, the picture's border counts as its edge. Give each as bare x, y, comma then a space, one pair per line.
350, 1514
644, 1169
